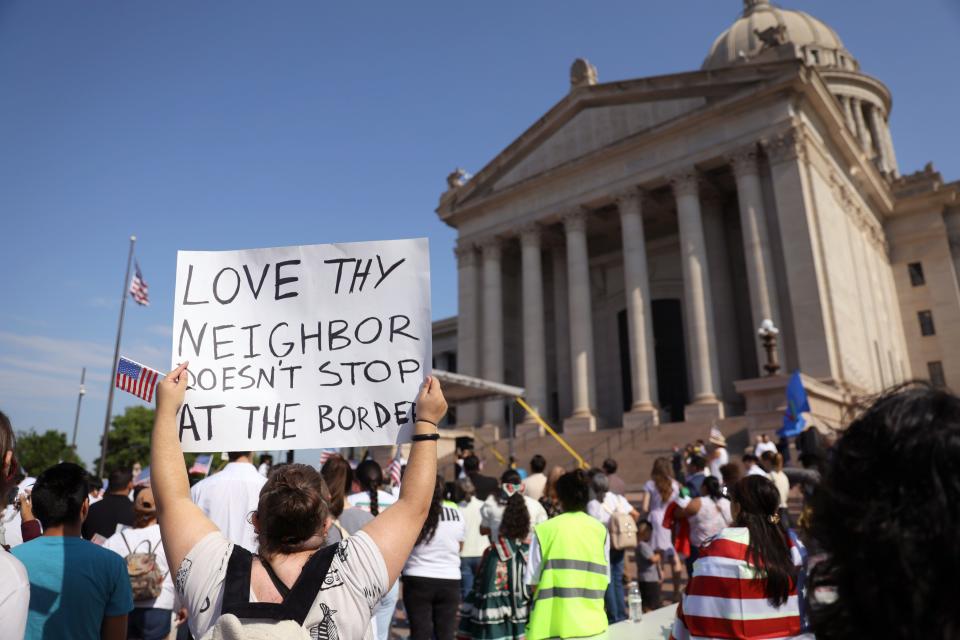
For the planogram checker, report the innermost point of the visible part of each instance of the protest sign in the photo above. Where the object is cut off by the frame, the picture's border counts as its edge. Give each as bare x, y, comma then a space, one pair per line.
302, 347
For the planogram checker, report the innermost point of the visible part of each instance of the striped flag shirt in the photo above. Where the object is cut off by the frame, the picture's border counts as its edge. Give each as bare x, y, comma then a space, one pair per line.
138, 288
137, 379
723, 600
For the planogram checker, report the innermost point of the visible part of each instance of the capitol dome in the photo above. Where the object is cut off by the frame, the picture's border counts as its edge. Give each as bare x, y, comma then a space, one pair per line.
766, 32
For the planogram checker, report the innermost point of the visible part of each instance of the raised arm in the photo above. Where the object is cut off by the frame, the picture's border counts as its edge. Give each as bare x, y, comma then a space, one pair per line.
182, 523
396, 529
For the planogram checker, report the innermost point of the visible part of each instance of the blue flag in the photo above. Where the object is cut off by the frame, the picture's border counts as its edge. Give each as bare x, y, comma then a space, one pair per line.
797, 403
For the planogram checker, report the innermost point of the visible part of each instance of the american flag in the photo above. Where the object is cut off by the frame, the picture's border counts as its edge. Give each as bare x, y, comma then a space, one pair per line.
325, 455
138, 288
396, 466
137, 379
202, 464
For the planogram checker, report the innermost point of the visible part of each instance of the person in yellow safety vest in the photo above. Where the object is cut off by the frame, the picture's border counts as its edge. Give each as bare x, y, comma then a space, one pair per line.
569, 567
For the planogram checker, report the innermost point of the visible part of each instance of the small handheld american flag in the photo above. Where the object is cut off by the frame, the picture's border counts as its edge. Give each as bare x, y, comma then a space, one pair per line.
325, 455
138, 288
396, 466
137, 379
202, 465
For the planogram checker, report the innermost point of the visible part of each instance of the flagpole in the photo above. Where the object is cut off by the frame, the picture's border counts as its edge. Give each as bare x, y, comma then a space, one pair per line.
116, 357
76, 419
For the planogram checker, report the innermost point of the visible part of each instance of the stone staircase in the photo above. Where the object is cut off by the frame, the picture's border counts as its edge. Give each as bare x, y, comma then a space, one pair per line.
633, 449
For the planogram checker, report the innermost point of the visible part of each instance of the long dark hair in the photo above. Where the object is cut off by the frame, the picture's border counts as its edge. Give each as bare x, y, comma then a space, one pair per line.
338, 475
370, 477
890, 499
769, 548
433, 516
711, 488
7, 443
516, 519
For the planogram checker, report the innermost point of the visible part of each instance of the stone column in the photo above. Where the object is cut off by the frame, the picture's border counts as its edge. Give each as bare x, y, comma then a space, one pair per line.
848, 112
468, 318
888, 143
583, 382
639, 317
492, 326
862, 131
534, 338
698, 307
756, 244
878, 127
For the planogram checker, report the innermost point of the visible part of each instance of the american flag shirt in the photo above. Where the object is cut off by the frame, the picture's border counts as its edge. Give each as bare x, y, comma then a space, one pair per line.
724, 600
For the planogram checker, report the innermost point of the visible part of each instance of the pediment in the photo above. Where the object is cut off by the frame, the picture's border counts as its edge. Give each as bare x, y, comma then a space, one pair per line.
594, 128
593, 118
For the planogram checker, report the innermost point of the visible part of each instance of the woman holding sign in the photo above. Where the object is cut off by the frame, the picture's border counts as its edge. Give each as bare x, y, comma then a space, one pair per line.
294, 584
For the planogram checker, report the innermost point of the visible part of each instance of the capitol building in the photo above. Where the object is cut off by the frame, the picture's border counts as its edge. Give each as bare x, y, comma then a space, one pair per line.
617, 259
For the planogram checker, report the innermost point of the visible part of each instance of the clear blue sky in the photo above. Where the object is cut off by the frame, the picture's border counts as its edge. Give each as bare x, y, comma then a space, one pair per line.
226, 125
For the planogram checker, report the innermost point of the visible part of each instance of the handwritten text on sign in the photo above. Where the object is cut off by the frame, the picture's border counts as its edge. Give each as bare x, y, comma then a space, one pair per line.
302, 347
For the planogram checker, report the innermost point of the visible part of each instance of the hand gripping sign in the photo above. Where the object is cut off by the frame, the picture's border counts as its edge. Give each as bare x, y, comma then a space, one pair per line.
313, 346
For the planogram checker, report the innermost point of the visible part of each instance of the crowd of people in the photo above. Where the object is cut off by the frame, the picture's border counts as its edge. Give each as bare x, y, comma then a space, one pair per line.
291, 550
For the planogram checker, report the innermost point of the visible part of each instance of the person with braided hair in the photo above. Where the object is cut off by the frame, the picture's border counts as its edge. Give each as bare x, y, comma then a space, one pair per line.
744, 582
431, 577
294, 583
369, 476
498, 605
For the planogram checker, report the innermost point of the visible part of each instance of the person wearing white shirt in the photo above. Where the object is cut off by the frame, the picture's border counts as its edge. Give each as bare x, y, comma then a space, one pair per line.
14, 584
151, 618
431, 576
602, 508
752, 465
230, 496
491, 513
764, 445
719, 456
535, 483
474, 542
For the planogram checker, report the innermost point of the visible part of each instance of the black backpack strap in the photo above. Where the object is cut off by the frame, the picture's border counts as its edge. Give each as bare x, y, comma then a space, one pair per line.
296, 603
282, 589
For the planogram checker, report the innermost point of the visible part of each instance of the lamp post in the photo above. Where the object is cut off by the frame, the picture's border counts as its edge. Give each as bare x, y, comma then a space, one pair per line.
76, 419
768, 333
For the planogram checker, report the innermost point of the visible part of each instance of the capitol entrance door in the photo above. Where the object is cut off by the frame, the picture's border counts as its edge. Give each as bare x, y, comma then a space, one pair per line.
671, 355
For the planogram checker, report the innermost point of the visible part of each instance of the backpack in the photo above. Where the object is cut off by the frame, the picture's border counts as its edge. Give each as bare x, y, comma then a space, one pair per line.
269, 621
146, 579
623, 530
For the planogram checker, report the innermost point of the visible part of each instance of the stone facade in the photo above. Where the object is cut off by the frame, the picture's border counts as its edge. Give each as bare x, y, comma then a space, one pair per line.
617, 258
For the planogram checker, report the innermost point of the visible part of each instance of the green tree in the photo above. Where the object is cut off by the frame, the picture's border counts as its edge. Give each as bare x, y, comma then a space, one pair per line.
129, 440
40, 451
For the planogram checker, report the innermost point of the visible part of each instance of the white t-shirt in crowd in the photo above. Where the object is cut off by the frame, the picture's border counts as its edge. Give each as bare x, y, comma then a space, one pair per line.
724, 505
534, 485
491, 514
440, 556
707, 522
757, 470
14, 595
228, 498
763, 447
10, 518
662, 539
612, 503
145, 540
721, 457
356, 580
783, 486
264, 469
474, 543
362, 500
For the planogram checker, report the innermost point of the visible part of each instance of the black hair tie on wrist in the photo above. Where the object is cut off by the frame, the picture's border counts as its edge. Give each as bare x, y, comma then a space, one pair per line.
427, 421
422, 437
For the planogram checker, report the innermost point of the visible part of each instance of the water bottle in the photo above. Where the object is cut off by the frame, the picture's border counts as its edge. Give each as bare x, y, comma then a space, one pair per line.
635, 602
